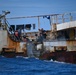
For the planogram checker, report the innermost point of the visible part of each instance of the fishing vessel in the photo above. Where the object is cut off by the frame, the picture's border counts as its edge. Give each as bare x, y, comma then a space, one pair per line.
59, 44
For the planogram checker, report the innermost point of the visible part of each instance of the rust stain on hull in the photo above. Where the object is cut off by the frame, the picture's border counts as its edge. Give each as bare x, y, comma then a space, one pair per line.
15, 45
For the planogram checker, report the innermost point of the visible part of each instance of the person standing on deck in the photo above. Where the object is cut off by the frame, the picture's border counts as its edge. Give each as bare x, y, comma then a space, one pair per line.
16, 35
19, 33
40, 38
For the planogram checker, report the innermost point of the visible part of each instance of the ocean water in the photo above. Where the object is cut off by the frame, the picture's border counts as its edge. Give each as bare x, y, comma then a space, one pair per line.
33, 66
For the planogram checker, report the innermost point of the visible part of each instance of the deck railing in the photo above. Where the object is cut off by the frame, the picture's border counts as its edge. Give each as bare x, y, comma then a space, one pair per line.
62, 18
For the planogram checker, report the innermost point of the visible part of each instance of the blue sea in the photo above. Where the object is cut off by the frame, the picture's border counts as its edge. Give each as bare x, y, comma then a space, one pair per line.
34, 66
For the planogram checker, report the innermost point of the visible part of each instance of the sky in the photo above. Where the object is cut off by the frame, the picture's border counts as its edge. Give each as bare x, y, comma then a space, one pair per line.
20, 8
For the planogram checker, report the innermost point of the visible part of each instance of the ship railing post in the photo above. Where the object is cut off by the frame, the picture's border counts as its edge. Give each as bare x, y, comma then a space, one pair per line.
56, 19
70, 17
50, 22
63, 18
38, 22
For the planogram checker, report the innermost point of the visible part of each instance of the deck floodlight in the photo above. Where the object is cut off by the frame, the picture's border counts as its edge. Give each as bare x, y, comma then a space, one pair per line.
6, 12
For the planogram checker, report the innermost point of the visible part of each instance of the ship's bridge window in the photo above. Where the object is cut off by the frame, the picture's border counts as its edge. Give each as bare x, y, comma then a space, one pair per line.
28, 26
19, 26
